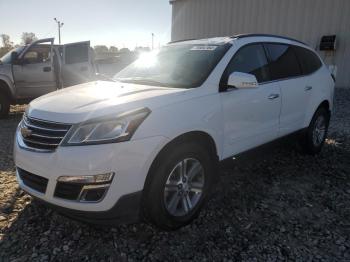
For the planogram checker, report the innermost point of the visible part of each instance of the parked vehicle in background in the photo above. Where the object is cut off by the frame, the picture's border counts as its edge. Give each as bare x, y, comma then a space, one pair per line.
28, 72
111, 65
148, 145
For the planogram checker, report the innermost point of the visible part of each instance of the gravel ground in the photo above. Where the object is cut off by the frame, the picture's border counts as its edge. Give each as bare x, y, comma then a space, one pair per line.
286, 207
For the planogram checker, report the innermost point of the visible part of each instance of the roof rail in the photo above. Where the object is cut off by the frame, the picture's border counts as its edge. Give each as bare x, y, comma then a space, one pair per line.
267, 35
244, 36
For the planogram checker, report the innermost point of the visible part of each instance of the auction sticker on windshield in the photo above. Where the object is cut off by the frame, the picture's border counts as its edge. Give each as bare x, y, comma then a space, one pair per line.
204, 48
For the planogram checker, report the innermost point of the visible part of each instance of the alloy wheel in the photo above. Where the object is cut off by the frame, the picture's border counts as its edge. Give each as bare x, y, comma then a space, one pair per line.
184, 187
319, 132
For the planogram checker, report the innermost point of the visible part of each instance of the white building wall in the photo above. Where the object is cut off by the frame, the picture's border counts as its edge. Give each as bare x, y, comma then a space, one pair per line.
305, 20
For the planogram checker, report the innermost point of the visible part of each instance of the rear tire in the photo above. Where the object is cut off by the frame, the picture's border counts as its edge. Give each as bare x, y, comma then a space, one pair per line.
179, 183
4, 105
313, 139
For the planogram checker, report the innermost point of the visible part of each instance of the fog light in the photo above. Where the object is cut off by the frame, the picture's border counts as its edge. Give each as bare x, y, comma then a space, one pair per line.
83, 188
95, 179
93, 193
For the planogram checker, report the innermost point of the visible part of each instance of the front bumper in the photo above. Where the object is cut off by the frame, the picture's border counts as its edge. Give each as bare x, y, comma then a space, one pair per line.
125, 211
130, 161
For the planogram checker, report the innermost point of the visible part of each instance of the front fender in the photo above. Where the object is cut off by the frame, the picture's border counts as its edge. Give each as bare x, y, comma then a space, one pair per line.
201, 114
7, 79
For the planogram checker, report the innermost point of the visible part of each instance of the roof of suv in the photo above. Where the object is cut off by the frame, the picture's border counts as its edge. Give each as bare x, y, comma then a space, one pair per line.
205, 41
227, 39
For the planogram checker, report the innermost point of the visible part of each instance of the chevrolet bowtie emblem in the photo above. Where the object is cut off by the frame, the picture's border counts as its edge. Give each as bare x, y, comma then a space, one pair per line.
26, 132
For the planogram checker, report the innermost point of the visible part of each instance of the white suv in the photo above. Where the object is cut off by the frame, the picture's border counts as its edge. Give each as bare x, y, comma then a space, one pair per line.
148, 144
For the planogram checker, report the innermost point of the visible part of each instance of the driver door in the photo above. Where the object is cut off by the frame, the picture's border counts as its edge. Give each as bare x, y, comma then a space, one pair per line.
34, 73
77, 64
251, 115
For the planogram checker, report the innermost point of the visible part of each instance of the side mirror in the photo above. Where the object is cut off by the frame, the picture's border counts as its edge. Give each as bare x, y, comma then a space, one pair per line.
242, 80
14, 57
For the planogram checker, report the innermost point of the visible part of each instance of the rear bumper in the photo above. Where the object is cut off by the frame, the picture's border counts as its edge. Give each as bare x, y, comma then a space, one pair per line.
125, 211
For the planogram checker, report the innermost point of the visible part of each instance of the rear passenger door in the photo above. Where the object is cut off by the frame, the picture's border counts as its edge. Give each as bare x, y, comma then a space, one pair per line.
77, 63
285, 68
251, 116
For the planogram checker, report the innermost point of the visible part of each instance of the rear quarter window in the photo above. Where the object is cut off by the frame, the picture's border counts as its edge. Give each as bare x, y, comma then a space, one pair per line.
309, 61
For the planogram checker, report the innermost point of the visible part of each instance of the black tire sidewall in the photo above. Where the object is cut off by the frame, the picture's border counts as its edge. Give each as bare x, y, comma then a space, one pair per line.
154, 191
310, 146
5, 105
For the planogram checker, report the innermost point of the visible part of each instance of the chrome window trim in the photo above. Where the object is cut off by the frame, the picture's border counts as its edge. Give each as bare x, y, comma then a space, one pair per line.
288, 78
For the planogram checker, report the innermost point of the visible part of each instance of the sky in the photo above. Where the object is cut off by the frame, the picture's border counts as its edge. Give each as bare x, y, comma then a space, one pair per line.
121, 23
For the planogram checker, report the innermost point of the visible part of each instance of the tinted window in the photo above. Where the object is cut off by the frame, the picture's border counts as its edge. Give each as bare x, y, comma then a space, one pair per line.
283, 61
37, 54
77, 53
309, 61
250, 59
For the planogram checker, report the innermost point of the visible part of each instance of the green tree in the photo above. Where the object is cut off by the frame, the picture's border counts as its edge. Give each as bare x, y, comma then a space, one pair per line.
28, 38
7, 45
5, 40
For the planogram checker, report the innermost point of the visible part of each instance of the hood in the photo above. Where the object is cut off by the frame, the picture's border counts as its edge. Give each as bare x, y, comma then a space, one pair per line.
94, 99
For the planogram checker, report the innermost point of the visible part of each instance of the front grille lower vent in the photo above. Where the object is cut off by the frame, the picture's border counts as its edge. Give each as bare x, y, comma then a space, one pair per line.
42, 135
35, 182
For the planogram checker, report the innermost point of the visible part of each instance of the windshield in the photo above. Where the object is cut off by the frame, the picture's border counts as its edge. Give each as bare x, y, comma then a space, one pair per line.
6, 59
182, 66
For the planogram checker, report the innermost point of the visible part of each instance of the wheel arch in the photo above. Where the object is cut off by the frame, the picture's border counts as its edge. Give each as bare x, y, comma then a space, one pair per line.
325, 103
5, 87
200, 137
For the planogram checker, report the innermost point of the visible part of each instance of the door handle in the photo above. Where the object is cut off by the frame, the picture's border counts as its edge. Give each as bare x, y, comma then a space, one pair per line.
47, 69
273, 96
308, 88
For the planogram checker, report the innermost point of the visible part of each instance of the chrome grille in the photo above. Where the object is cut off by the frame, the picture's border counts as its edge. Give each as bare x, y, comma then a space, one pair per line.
42, 135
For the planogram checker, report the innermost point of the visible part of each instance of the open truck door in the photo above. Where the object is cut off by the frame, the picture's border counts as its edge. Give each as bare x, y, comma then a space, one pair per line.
33, 70
77, 66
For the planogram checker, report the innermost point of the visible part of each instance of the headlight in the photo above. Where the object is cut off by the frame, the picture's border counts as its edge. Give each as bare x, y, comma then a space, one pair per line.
107, 130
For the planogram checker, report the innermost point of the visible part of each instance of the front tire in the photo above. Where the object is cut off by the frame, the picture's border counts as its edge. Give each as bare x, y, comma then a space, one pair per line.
4, 105
315, 135
180, 182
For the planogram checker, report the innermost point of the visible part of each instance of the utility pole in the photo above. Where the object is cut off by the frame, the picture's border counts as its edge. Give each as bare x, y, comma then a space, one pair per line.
59, 24
152, 41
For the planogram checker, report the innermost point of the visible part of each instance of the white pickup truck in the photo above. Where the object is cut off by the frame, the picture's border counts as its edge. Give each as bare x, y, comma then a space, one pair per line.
30, 71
